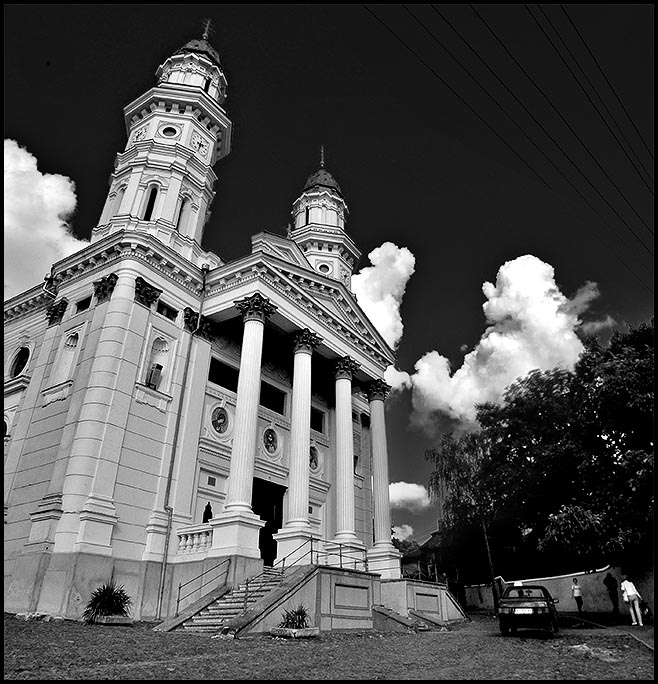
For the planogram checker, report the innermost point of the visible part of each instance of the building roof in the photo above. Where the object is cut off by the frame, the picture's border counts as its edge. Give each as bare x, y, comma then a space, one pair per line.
322, 178
200, 46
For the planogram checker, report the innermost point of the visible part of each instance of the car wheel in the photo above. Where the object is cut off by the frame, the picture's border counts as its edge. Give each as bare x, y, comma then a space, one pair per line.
552, 628
504, 629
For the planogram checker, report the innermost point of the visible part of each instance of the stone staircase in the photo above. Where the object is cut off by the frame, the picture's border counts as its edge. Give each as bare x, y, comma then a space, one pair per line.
214, 616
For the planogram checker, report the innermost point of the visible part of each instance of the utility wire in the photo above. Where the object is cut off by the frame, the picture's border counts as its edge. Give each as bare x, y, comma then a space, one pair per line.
646, 225
565, 122
598, 111
504, 85
646, 147
601, 100
457, 95
603, 241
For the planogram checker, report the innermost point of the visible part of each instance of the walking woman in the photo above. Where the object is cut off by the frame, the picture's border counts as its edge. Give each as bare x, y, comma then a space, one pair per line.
632, 597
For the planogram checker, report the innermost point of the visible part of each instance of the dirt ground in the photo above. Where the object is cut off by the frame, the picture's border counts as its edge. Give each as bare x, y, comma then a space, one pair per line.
469, 650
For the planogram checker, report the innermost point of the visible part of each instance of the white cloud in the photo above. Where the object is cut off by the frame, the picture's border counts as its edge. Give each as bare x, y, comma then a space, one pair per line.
37, 206
531, 326
593, 327
398, 380
413, 497
379, 289
402, 532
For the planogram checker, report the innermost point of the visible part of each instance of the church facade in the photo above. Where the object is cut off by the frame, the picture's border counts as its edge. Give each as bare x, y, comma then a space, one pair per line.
165, 409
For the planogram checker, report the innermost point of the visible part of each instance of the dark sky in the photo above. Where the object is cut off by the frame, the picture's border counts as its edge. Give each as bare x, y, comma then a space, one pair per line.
424, 157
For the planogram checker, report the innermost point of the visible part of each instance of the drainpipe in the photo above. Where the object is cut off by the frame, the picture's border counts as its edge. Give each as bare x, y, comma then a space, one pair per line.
49, 279
170, 511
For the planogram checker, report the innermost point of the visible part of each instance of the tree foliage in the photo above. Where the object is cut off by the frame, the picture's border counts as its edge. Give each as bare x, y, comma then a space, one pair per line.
561, 472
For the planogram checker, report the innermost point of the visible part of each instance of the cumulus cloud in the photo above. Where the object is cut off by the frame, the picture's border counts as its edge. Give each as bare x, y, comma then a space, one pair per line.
379, 288
402, 532
410, 496
37, 207
397, 379
531, 325
593, 327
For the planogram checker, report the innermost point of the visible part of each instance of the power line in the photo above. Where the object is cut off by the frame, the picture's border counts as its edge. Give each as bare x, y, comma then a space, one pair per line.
527, 75
613, 251
607, 81
502, 83
457, 95
595, 107
598, 111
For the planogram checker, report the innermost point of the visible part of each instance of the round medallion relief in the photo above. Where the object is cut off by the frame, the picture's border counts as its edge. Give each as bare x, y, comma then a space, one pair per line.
219, 420
270, 441
313, 459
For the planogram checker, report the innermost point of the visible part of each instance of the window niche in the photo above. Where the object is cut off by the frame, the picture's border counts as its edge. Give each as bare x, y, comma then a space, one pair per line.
64, 365
155, 375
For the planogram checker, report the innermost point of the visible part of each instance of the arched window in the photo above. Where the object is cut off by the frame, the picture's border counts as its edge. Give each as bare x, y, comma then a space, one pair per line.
66, 359
150, 205
157, 363
20, 361
184, 214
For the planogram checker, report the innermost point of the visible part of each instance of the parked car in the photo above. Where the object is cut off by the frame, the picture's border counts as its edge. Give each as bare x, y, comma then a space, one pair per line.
527, 607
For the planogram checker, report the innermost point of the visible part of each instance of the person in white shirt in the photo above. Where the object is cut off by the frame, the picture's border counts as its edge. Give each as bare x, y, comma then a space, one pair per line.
632, 597
577, 593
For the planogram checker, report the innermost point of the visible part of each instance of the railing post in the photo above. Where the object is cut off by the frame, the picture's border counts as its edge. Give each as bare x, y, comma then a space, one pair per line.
311, 541
365, 560
340, 555
178, 598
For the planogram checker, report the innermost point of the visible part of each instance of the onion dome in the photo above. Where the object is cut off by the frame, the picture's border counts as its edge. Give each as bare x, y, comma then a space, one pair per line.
324, 179
200, 46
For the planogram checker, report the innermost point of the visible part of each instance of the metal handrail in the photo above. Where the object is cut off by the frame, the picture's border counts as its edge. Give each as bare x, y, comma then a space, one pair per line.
179, 598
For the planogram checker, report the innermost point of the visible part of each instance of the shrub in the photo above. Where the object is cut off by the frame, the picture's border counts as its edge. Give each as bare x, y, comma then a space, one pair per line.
108, 599
296, 618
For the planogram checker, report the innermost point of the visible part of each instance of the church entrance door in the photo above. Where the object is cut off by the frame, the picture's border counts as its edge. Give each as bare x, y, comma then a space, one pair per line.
267, 502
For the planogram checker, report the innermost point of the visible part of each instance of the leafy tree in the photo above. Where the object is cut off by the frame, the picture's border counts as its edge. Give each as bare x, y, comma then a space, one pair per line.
561, 472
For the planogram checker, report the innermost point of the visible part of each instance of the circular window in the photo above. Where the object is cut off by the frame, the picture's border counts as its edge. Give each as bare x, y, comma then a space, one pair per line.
20, 361
314, 459
270, 441
169, 132
324, 268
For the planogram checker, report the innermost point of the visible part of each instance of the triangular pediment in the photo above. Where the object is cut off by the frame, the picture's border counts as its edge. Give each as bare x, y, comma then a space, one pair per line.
280, 247
332, 300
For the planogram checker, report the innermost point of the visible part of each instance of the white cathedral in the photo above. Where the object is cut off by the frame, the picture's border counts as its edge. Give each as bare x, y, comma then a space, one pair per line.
165, 409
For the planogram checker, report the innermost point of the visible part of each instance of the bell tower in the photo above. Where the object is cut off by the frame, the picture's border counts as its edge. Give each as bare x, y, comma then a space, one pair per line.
319, 226
163, 181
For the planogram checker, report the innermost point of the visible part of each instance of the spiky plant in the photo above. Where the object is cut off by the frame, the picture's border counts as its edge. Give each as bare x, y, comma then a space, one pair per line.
108, 599
297, 618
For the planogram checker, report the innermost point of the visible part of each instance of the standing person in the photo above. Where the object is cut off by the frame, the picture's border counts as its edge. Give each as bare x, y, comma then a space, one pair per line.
632, 596
577, 593
611, 585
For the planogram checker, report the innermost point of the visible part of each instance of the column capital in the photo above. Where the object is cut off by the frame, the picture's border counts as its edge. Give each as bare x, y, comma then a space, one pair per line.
145, 293
377, 389
104, 287
206, 328
345, 368
55, 311
256, 307
305, 340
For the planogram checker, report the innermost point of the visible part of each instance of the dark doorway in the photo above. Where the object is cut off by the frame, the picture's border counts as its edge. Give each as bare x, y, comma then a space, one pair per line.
267, 502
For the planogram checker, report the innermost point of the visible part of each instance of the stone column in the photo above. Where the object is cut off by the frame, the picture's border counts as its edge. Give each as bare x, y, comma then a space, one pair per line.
235, 529
345, 549
345, 367
297, 530
384, 558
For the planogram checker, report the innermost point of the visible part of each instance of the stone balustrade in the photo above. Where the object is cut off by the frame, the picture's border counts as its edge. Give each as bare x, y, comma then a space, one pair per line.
194, 539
